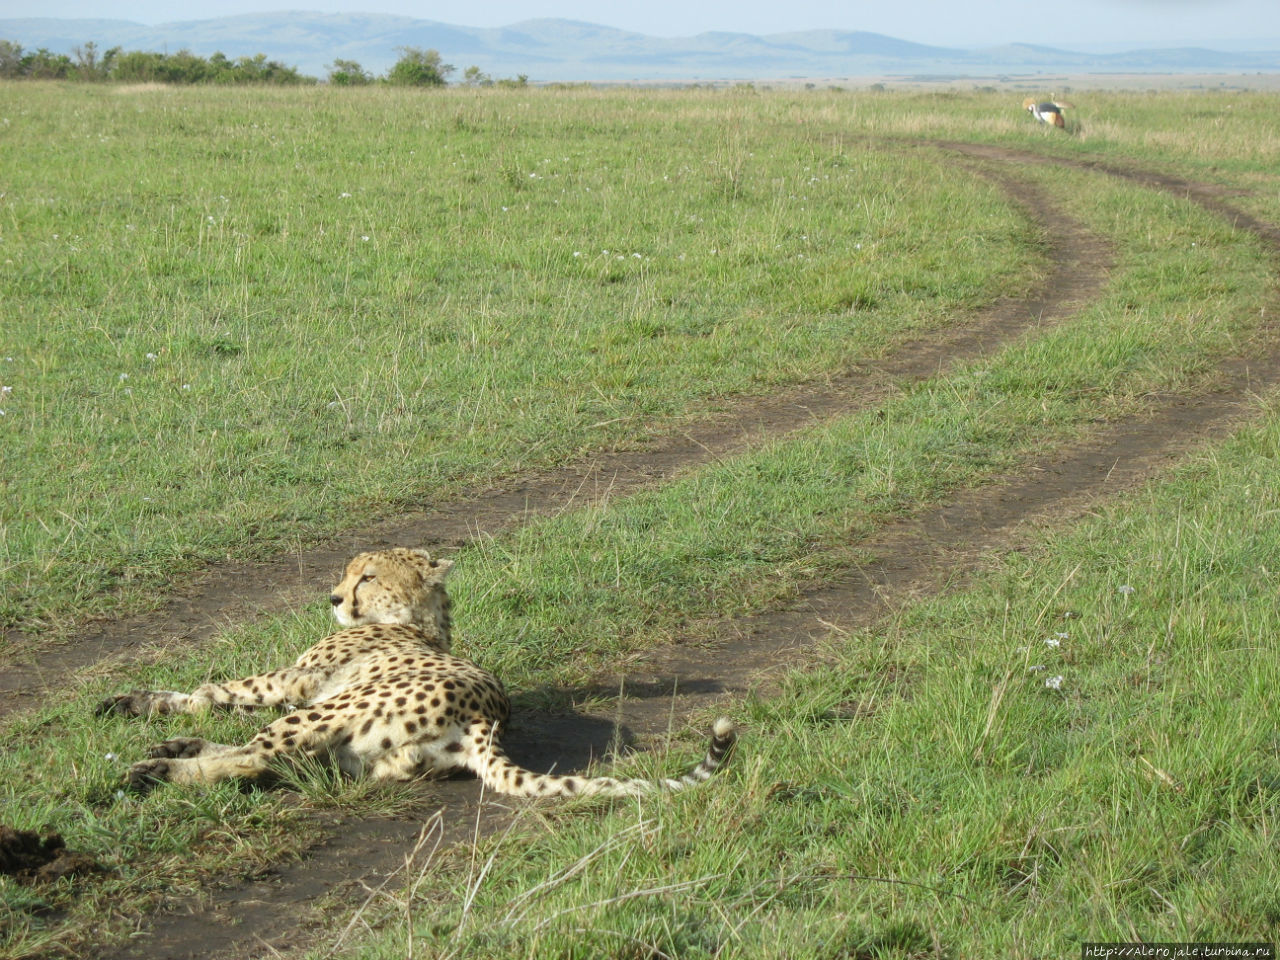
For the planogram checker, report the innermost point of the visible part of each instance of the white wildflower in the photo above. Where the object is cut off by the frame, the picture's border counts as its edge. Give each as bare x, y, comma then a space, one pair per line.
1054, 683
1052, 642
1126, 589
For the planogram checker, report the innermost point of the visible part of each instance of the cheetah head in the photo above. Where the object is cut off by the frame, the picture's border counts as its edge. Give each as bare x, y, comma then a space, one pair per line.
394, 586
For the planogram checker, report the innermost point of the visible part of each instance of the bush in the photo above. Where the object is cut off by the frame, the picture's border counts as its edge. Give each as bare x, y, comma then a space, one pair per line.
474, 77
348, 73
10, 59
419, 68
141, 66
91, 66
43, 65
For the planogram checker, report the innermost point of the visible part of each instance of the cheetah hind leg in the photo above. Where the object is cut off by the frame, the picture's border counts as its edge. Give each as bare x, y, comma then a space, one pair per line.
195, 761
240, 763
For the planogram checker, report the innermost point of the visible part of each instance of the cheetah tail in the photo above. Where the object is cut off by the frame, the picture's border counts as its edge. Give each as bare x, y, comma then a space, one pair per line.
502, 776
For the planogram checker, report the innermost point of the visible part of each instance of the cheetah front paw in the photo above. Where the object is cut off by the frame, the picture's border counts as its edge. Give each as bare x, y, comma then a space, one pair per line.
179, 748
145, 775
144, 703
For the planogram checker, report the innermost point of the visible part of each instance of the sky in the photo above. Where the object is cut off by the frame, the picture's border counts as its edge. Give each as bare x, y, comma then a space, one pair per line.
1121, 24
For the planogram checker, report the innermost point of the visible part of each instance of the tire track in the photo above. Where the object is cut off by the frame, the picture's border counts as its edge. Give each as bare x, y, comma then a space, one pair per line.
1078, 264
913, 558
923, 554
1208, 196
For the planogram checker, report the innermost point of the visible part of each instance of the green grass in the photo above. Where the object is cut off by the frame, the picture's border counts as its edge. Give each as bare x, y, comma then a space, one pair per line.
1214, 136
930, 793
925, 794
308, 307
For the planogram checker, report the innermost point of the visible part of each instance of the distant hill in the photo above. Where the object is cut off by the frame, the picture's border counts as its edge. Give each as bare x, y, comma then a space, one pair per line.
567, 50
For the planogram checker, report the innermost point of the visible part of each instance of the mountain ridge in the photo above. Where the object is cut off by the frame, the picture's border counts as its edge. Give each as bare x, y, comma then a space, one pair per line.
551, 50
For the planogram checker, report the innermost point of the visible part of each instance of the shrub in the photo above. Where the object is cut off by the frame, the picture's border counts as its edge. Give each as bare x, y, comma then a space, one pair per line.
419, 68
473, 77
142, 66
348, 73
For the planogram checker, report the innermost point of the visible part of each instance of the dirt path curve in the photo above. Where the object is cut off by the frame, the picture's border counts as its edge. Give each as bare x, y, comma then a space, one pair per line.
918, 555
228, 593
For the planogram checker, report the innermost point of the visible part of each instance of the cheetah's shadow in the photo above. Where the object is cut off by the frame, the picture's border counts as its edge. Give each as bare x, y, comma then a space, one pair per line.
548, 734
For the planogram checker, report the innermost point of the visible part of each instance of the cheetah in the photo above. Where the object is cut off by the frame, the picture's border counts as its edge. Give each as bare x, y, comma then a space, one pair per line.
383, 698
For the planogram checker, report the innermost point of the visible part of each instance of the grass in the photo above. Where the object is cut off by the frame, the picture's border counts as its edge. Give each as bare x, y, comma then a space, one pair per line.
925, 793
278, 327
1077, 748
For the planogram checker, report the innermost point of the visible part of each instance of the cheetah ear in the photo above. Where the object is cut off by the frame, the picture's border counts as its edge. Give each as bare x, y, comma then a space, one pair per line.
439, 566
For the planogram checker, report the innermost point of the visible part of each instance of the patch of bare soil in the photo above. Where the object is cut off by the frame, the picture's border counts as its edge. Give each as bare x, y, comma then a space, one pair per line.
928, 552
31, 858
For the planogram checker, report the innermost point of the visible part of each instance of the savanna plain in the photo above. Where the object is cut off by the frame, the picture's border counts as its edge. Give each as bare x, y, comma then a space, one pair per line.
239, 323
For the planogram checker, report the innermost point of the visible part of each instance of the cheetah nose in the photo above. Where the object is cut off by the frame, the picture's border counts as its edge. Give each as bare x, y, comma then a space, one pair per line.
335, 599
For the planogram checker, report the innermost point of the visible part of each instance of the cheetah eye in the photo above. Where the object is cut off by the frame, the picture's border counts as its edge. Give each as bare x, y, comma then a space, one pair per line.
367, 577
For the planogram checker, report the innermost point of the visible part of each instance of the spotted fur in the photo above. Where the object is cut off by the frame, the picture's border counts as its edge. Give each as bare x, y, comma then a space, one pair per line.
382, 698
